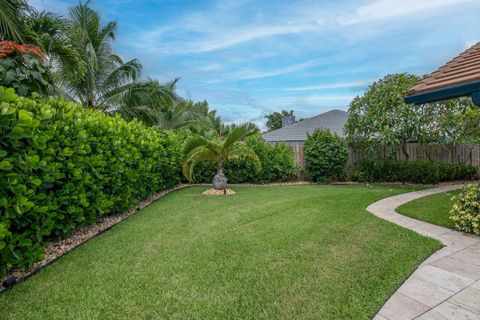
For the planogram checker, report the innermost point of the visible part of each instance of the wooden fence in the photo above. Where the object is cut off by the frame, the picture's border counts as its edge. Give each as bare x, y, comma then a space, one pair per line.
461, 153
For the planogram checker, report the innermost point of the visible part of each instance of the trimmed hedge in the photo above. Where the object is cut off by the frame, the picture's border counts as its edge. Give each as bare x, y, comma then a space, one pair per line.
425, 172
326, 156
62, 166
277, 165
465, 213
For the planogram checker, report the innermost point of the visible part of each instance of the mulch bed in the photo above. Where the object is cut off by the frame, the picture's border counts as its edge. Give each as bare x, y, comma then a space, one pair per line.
215, 192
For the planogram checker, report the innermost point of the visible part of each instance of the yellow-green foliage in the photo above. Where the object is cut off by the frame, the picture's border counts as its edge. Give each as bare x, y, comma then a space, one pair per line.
465, 213
63, 166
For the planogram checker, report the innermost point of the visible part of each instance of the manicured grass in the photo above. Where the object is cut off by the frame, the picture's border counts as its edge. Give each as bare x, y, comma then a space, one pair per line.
434, 209
297, 252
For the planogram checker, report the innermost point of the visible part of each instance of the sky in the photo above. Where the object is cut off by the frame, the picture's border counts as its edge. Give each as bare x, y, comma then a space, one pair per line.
249, 58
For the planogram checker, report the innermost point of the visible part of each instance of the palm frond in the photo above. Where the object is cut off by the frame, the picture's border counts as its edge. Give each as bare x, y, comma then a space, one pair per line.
12, 13
196, 157
238, 133
194, 143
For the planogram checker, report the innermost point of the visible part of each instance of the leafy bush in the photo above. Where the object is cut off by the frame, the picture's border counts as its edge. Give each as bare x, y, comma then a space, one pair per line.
63, 166
419, 171
23, 67
325, 155
277, 165
465, 213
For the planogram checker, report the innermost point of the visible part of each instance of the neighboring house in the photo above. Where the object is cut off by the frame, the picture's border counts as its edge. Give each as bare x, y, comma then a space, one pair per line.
295, 133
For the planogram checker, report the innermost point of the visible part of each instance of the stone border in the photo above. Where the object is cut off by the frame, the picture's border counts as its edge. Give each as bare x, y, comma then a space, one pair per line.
55, 250
444, 286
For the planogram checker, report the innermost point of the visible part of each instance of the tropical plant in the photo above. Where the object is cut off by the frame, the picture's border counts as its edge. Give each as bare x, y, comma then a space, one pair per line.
220, 148
380, 115
108, 83
12, 15
23, 67
277, 165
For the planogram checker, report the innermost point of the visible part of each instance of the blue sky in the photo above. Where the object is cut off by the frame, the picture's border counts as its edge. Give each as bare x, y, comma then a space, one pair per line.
249, 58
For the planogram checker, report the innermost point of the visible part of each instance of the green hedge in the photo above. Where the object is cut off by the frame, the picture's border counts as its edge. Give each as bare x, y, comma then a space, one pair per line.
326, 156
465, 213
62, 166
425, 172
277, 165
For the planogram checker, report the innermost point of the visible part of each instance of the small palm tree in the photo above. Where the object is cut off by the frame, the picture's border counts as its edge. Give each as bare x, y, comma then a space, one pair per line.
219, 149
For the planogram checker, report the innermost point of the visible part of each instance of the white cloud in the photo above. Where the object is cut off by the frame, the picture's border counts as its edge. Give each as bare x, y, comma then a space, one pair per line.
335, 85
248, 74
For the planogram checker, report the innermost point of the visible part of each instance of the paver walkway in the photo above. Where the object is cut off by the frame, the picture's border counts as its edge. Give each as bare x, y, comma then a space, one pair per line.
447, 284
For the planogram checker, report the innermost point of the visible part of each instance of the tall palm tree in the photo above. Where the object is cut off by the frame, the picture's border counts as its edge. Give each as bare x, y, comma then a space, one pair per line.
12, 15
108, 83
197, 148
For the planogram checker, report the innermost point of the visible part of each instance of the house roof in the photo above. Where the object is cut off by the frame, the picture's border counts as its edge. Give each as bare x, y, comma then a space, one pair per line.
459, 77
333, 121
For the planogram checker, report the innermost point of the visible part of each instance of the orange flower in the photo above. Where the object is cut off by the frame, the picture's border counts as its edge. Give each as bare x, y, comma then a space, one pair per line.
8, 47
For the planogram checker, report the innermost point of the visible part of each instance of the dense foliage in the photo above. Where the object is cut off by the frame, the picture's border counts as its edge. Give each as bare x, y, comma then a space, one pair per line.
23, 67
410, 171
325, 155
465, 213
380, 116
63, 166
218, 149
277, 165
274, 119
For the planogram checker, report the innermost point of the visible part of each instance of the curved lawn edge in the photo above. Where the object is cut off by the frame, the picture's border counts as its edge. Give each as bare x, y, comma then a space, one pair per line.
434, 209
56, 250
438, 280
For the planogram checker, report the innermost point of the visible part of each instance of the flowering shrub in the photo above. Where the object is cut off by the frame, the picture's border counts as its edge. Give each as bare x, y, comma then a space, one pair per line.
23, 67
9, 47
465, 213
62, 166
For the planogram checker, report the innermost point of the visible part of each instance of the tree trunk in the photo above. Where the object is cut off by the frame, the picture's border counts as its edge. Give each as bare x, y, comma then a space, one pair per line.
404, 151
220, 181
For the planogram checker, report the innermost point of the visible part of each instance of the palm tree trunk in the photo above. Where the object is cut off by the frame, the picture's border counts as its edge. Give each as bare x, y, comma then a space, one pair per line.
220, 181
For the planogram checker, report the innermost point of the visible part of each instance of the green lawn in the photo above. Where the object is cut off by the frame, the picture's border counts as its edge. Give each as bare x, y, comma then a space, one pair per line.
297, 252
434, 209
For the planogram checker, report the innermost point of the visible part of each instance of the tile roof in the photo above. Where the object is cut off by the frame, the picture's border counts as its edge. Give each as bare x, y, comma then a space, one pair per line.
333, 121
463, 69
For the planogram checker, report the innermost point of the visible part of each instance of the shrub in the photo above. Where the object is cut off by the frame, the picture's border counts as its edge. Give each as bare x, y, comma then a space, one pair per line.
277, 165
23, 67
63, 166
465, 213
325, 156
419, 171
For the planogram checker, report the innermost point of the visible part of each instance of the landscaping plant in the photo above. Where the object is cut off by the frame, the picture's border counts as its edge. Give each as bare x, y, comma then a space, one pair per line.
23, 67
325, 155
465, 213
219, 149
63, 166
419, 171
277, 165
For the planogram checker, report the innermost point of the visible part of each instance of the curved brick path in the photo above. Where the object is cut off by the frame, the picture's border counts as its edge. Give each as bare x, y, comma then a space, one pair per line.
447, 284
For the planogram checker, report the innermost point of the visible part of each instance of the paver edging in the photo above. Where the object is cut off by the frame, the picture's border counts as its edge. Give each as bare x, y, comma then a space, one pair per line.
438, 278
